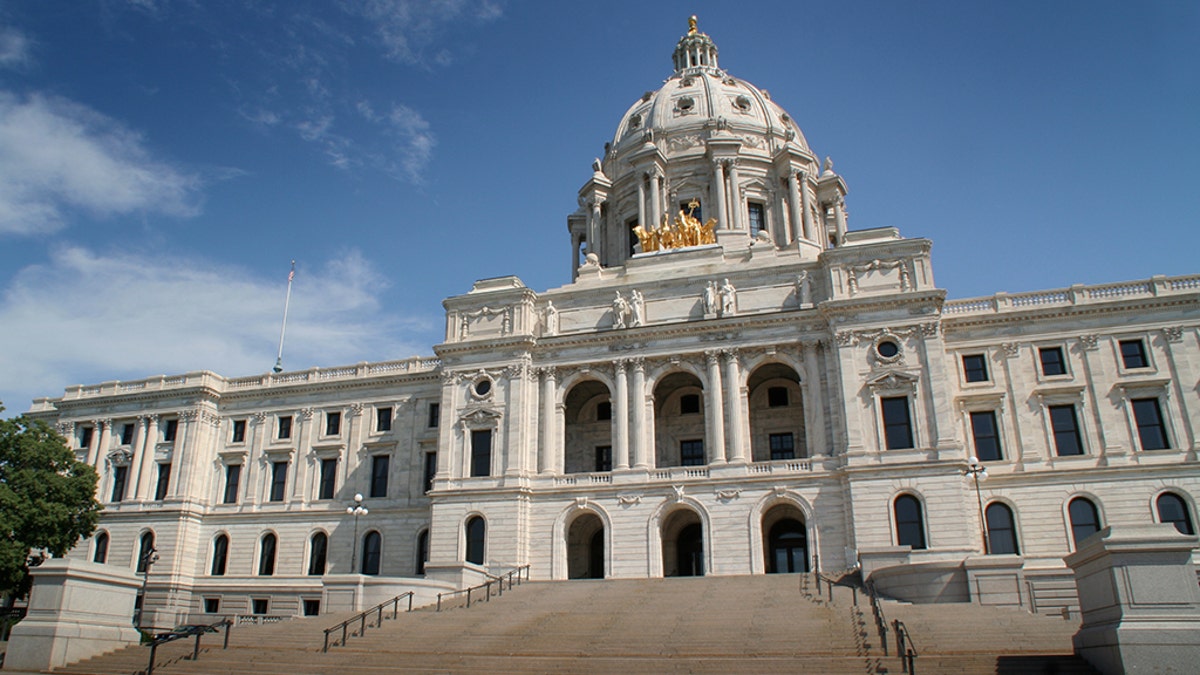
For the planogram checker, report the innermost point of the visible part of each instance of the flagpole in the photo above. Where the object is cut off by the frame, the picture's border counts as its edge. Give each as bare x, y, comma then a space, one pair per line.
279, 359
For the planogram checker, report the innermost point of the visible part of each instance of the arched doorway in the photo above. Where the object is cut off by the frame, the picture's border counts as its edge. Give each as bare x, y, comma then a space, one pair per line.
588, 428
683, 545
786, 540
776, 403
585, 547
679, 426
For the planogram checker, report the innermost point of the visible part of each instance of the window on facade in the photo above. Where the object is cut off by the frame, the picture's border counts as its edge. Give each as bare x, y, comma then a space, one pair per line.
164, 481
1151, 430
689, 404
897, 424
318, 550
603, 411
691, 453
783, 446
118, 489
604, 458
1065, 426
145, 552
233, 475
476, 531
975, 368
1053, 362
686, 207
630, 226
100, 547
422, 551
986, 436
126, 434
379, 475
1085, 519
1001, 529
212, 605
170, 428
220, 556
266, 555
435, 413
259, 606
910, 525
312, 607
278, 480
333, 423
758, 216
1171, 509
284, 428
328, 483
383, 419
777, 397
481, 452
1133, 354
372, 551
85, 437
430, 469
239, 432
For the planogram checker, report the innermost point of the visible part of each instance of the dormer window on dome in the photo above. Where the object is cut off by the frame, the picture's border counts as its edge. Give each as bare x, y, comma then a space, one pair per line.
695, 50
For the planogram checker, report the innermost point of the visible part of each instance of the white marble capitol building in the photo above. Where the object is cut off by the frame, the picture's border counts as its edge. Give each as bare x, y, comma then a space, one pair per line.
732, 382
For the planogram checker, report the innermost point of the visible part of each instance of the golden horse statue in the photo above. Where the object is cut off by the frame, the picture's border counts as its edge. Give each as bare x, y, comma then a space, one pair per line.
685, 231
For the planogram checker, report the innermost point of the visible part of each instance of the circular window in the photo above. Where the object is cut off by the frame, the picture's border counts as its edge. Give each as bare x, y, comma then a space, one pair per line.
482, 387
888, 349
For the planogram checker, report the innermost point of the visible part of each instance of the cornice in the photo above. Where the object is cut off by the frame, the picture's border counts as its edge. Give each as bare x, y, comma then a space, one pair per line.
955, 322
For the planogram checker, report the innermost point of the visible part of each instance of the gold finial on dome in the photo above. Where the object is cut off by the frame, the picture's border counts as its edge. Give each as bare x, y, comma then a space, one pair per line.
692, 25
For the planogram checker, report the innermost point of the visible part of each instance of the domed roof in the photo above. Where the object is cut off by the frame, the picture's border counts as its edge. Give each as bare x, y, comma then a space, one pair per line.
700, 95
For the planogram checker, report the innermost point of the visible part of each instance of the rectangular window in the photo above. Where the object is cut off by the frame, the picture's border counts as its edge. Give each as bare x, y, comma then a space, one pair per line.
328, 479
975, 368
777, 397
212, 605
239, 432
1063, 422
897, 424
1151, 430
986, 436
1053, 362
1133, 354
164, 481
259, 606
333, 423
233, 476
285, 427
783, 446
383, 419
604, 458
758, 216
686, 207
85, 437
379, 475
481, 452
312, 607
126, 434
170, 428
119, 475
278, 480
430, 469
603, 411
689, 404
435, 414
691, 453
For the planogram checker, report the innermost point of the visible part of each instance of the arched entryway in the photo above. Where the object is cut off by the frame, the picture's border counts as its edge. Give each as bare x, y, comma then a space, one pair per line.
776, 402
679, 427
588, 428
683, 545
585, 548
786, 540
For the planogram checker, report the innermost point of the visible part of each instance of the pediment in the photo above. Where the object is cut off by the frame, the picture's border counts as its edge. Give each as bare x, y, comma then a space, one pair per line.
893, 380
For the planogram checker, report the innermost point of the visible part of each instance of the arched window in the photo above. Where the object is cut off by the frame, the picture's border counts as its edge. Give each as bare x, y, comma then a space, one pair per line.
145, 552
422, 551
100, 548
266, 555
220, 555
318, 548
372, 549
476, 534
910, 526
1085, 519
1171, 509
1001, 529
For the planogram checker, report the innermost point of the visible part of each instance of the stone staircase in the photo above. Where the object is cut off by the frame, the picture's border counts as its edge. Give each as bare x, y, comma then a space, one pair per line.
748, 624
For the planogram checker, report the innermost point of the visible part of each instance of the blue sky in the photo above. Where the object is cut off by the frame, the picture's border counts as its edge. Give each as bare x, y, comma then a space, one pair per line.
162, 161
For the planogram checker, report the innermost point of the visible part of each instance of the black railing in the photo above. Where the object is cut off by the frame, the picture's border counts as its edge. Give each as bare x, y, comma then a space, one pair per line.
181, 632
905, 648
830, 583
494, 581
877, 610
361, 620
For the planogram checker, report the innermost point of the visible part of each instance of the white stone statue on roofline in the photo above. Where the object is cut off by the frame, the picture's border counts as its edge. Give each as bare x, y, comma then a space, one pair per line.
620, 307
710, 298
550, 320
728, 298
637, 308
803, 289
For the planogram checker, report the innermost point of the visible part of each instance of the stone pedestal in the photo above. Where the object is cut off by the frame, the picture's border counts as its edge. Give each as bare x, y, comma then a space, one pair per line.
77, 610
996, 580
1139, 599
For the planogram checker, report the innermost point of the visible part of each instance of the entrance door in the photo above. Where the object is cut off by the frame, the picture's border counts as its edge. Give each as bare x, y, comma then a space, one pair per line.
690, 551
787, 547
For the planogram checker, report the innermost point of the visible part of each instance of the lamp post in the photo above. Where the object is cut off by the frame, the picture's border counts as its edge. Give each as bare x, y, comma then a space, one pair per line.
357, 510
979, 472
148, 558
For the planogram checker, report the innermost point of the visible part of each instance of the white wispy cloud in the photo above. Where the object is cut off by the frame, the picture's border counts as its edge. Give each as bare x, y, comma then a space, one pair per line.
85, 316
14, 48
406, 28
57, 156
414, 141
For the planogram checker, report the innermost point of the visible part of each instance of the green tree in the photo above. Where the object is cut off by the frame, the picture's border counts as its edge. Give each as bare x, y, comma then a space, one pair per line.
47, 498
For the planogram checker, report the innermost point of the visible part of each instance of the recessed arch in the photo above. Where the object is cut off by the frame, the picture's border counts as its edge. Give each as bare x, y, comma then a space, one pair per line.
777, 413
585, 544
679, 420
1001, 529
1083, 519
1171, 507
908, 517
372, 553
683, 544
100, 547
318, 553
785, 544
588, 427
475, 540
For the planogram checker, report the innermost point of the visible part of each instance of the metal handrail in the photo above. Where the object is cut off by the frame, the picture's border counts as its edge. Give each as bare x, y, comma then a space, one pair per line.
877, 610
515, 573
905, 648
361, 618
182, 632
830, 583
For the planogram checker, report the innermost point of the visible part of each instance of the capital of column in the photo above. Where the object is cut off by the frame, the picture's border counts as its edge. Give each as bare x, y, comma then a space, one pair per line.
712, 356
638, 363
305, 414
105, 423
619, 366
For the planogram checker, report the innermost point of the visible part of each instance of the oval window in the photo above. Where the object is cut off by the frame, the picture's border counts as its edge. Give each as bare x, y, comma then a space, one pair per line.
482, 387
887, 349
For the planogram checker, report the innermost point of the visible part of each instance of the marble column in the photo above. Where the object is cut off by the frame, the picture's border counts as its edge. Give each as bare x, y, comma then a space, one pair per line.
642, 203
655, 198
621, 418
733, 394
181, 456
719, 191
735, 197
549, 445
806, 207
795, 207
814, 413
303, 434
148, 438
99, 436
594, 226
637, 398
714, 410
839, 216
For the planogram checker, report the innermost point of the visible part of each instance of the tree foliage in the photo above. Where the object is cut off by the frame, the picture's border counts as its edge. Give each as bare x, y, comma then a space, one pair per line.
47, 498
